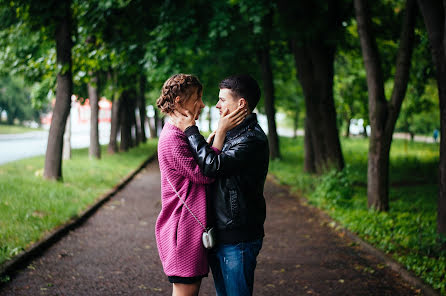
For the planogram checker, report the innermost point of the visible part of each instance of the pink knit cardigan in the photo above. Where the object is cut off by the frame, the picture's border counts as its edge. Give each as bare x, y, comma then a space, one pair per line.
178, 234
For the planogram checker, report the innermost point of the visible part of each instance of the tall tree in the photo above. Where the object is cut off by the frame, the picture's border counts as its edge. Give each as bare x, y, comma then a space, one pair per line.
313, 29
382, 113
258, 18
95, 149
53, 157
125, 120
434, 13
268, 86
115, 124
142, 108
49, 21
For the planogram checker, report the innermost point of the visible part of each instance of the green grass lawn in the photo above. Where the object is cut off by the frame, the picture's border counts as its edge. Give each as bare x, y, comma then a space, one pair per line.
30, 206
16, 129
408, 230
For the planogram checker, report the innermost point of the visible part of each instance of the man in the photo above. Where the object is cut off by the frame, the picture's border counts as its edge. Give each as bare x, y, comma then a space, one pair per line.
237, 204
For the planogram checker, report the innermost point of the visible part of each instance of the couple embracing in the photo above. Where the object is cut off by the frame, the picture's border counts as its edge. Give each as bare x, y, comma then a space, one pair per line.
215, 183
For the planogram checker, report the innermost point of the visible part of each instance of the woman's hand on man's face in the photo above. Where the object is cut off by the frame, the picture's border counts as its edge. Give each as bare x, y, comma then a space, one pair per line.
230, 120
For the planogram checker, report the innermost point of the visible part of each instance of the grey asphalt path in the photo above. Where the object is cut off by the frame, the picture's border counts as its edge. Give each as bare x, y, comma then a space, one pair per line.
114, 253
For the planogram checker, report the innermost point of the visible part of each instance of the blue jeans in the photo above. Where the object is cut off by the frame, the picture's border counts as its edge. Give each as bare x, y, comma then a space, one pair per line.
233, 267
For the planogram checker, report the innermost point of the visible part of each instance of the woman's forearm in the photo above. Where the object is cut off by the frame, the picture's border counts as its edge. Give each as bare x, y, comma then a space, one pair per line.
219, 139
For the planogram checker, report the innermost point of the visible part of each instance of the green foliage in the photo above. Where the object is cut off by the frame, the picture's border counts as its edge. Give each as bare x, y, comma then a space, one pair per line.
31, 206
335, 186
408, 230
420, 113
15, 100
42, 93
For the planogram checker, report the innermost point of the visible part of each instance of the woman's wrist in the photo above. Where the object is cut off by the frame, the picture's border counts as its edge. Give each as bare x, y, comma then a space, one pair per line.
220, 131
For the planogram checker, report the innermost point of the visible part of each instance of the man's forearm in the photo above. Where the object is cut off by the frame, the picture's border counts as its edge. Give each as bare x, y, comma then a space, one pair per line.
206, 157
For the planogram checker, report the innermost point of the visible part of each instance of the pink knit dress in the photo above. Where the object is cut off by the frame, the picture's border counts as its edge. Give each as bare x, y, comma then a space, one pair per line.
178, 234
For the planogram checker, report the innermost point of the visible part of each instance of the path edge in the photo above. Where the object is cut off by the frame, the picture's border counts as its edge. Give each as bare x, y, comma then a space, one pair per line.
10, 267
405, 274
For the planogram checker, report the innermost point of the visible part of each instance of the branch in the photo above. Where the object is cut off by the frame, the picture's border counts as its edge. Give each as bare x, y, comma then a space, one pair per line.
403, 62
370, 55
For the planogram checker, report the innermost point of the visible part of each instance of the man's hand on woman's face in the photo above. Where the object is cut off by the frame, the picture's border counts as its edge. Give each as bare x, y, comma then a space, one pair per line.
182, 119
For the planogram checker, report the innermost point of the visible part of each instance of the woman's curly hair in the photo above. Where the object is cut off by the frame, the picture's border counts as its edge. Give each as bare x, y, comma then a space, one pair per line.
182, 85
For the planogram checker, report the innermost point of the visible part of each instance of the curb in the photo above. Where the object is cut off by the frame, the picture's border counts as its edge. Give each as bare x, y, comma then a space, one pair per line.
21, 260
405, 274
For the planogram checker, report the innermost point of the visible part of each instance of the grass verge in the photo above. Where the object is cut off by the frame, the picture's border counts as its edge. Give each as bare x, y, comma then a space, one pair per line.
16, 129
30, 206
408, 231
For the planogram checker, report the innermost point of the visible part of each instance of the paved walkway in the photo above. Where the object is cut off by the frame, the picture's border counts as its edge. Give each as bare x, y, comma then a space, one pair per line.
114, 253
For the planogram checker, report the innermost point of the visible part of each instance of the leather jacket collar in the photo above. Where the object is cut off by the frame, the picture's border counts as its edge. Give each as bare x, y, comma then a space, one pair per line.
249, 121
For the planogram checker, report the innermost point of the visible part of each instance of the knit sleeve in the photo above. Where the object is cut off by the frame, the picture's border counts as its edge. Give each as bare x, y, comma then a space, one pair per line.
185, 165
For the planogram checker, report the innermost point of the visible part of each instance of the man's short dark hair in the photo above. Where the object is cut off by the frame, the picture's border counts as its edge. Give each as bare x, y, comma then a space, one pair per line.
243, 86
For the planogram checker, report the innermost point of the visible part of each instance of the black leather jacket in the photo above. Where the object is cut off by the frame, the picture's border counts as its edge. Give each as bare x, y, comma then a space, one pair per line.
237, 204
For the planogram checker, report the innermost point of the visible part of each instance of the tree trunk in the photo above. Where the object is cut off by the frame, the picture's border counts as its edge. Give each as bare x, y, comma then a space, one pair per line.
309, 163
434, 18
151, 124
95, 149
66, 151
347, 129
135, 131
126, 122
268, 86
113, 145
383, 114
155, 122
53, 157
142, 108
295, 123
314, 63
364, 130
210, 118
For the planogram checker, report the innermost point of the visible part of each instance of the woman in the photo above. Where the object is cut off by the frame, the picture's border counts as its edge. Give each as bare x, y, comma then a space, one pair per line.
178, 233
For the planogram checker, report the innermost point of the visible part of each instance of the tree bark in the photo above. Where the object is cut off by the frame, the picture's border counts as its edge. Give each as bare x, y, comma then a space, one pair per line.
135, 131
66, 150
125, 122
268, 86
155, 122
151, 124
309, 163
347, 129
53, 157
142, 108
295, 123
113, 145
383, 114
434, 13
210, 118
94, 150
314, 62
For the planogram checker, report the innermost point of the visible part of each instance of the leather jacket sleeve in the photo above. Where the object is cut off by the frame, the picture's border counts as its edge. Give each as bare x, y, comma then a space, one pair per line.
234, 158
